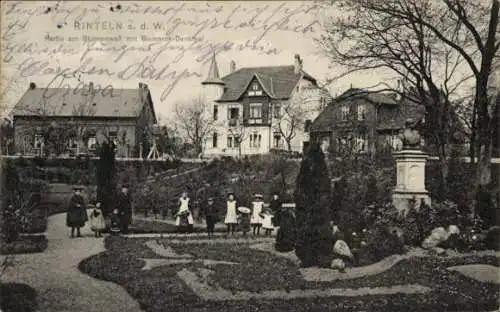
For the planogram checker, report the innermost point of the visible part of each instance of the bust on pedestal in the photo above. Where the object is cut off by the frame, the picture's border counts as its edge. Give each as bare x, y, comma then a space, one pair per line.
410, 165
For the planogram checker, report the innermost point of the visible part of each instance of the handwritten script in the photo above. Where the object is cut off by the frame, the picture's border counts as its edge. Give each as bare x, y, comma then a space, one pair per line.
163, 45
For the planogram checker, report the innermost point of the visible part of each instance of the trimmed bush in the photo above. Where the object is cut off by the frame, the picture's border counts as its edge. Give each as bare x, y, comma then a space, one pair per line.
314, 239
16, 297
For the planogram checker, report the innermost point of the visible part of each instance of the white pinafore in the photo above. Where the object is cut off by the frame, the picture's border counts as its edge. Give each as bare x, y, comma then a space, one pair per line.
184, 207
231, 215
256, 210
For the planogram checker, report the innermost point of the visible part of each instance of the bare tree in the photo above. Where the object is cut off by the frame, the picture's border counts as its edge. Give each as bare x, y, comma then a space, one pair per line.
238, 133
292, 117
194, 121
428, 44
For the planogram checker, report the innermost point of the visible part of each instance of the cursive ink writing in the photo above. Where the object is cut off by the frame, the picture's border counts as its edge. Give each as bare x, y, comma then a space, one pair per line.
86, 89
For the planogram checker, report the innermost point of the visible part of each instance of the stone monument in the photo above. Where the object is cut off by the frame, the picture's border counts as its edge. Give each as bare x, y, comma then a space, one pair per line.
410, 165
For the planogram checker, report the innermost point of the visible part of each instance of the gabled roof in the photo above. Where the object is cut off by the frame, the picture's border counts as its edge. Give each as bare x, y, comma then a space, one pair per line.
69, 102
278, 81
392, 116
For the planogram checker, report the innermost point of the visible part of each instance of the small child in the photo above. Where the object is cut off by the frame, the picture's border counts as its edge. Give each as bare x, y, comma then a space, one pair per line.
210, 213
115, 222
97, 223
267, 220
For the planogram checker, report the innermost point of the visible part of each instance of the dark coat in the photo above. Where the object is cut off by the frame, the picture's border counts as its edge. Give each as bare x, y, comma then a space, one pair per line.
275, 206
285, 238
124, 206
210, 210
77, 213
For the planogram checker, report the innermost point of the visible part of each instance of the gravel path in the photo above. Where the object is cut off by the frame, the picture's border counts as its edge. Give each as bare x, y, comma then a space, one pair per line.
55, 275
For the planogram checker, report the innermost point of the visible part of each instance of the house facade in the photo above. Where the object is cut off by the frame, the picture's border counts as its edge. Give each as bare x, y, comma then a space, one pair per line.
363, 122
259, 109
75, 121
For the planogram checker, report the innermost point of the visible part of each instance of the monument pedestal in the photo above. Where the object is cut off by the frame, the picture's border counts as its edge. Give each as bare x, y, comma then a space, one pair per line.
410, 165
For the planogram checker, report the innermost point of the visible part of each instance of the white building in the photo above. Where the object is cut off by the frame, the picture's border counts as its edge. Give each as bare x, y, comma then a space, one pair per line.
258, 109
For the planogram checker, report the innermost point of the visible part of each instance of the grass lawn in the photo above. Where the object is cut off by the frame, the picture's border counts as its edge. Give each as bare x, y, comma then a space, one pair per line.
17, 298
160, 289
25, 244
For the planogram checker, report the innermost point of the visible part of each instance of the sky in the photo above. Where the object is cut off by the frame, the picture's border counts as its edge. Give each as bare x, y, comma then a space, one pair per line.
165, 44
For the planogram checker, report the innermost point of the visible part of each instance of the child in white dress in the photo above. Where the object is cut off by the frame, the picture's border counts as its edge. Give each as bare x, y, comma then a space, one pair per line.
184, 213
256, 219
267, 220
97, 223
231, 219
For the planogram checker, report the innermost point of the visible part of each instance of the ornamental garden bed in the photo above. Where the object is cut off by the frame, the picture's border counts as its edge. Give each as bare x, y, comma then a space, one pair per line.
257, 273
17, 298
25, 244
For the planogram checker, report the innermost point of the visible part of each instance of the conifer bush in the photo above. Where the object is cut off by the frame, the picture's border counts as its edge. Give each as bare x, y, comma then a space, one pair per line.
314, 239
106, 176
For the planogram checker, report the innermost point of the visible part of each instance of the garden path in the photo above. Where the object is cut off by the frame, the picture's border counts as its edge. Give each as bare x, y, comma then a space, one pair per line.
55, 275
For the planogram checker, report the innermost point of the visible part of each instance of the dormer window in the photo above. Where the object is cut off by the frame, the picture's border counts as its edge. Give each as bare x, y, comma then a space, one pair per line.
255, 90
361, 112
344, 112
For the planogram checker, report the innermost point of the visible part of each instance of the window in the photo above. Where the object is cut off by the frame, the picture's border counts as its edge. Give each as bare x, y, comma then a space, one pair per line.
92, 143
361, 143
233, 113
254, 90
361, 112
344, 112
277, 111
277, 140
230, 141
72, 143
307, 125
214, 139
255, 111
255, 140
38, 141
216, 112
113, 137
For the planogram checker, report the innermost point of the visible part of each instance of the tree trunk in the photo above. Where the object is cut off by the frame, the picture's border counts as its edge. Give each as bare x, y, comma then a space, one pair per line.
289, 145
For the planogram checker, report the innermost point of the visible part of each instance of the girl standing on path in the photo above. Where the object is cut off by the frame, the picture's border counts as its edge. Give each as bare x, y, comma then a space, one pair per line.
256, 220
231, 219
184, 214
97, 223
77, 214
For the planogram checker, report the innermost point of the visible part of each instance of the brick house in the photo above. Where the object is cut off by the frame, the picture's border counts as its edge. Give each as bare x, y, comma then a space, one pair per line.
249, 104
363, 122
125, 116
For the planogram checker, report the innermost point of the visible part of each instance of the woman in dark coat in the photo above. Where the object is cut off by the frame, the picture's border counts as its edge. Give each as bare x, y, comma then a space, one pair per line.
77, 213
285, 238
124, 206
275, 206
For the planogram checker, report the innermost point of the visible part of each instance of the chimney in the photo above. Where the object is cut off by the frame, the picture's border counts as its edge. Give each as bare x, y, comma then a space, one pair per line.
32, 85
297, 64
232, 67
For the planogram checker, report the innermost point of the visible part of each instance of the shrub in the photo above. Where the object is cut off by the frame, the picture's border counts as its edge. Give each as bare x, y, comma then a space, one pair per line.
314, 242
382, 241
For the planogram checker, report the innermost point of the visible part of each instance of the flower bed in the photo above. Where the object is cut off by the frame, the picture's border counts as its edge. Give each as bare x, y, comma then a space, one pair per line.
17, 298
25, 244
160, 289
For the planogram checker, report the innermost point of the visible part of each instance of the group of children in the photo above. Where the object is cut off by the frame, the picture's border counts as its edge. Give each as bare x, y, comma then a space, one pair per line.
259, 215
98, 223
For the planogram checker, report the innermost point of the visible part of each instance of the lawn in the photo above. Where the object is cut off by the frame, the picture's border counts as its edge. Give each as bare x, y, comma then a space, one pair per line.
25, 244
161, 289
